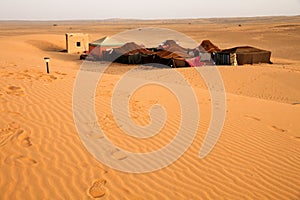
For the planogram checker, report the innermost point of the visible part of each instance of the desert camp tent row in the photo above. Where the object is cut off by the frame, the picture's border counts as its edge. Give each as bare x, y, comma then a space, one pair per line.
172, 54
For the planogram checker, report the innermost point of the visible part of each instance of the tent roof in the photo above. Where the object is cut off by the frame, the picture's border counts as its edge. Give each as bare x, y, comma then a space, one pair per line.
243, 49
131, 48
208, 47
171, 50
171, 44
106, 41
170, 55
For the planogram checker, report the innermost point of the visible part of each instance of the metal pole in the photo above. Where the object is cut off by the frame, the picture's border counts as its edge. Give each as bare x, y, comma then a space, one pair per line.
47, 65
47, 59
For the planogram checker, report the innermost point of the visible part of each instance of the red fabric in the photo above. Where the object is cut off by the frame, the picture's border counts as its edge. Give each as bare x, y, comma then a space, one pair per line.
195, 62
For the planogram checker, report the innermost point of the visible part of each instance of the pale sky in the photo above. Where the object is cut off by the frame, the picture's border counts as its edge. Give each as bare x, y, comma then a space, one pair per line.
141, 9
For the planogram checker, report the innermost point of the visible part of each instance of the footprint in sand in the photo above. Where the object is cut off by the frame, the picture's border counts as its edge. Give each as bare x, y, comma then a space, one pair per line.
93, 130
118, 155
31, 75
23, 138
108, 122
15, 90
50, 77
97, 190
13, 133
7, 133
46, 77
60, 73
20, 160
275, 128
252, 117
94, 135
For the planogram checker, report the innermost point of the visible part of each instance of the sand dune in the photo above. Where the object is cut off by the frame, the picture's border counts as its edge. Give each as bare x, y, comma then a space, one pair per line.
256, 157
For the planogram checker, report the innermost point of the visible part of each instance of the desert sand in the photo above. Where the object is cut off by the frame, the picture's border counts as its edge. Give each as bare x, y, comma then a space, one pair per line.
256, 157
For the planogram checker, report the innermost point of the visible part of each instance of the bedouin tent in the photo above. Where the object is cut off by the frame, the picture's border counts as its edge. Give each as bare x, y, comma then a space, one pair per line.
129, 53
172, 46
172, 59
97, 47
204, 50
207, 46
172, 54
249, 55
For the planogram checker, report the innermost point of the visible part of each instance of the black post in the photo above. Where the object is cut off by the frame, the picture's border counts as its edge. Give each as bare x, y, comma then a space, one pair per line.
47, 65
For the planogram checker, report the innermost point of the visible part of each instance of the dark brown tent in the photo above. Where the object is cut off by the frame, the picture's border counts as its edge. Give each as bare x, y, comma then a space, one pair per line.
172, 54
205, 50
173, 59
207, 46
131, 48
249, 55
171, 45
129, 53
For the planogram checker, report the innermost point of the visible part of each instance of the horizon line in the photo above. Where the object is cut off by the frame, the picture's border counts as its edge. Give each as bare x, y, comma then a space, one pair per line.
147, 19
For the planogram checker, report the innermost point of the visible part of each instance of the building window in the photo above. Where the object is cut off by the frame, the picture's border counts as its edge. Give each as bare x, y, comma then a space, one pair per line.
78, 44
